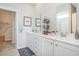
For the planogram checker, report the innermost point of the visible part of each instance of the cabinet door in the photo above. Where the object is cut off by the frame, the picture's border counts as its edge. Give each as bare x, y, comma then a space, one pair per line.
63, 49
28, 39
38, 45
32, 38
47, 47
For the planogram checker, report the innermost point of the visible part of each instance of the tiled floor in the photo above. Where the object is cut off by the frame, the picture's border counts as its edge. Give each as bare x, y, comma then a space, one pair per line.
8, 49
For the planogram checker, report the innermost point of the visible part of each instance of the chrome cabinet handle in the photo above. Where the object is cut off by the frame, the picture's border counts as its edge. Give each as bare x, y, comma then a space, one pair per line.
51, 43
56, 44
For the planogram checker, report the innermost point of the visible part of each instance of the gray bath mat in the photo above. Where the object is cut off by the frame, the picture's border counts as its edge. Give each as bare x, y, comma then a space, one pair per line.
26, 52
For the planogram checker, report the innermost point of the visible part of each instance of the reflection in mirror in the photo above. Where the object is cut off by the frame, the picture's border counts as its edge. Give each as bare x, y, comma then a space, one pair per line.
66, 18
73, 17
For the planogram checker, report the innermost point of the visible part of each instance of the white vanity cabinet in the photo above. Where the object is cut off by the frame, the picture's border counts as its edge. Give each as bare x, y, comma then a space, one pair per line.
44, 46
34, 43
47, 47
41, 46
64, 49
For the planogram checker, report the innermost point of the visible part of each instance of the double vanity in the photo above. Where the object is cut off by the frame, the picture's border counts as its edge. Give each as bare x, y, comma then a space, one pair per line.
52, 45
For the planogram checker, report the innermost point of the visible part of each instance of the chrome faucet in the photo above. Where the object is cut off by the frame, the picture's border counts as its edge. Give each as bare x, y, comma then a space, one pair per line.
63, 35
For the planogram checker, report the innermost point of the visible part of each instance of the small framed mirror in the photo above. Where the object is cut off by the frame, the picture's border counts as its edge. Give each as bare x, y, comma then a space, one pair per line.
27, 21
38, 22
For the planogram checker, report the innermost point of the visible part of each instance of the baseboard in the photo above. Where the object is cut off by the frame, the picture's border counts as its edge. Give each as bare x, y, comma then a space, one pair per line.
19, 47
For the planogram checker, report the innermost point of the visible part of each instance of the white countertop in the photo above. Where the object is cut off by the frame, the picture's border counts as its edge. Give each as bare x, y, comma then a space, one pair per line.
69, 40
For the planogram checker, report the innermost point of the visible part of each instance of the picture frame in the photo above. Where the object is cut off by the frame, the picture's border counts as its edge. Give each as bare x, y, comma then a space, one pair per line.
27, 21
37, 22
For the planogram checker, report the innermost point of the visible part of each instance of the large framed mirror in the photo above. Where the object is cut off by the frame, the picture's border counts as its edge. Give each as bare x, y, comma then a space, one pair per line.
66, 18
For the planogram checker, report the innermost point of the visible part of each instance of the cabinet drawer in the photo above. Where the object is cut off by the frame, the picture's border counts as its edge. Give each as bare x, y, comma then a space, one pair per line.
67, 46
64, 49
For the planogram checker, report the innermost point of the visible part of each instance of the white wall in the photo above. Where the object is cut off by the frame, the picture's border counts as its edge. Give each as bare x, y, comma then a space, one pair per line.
24, 10
21, 10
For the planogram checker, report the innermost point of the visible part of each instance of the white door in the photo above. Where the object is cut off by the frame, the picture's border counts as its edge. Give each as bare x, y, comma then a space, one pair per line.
47, 47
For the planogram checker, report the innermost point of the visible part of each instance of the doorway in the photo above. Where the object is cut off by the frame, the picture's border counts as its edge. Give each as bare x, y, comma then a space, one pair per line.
8, 33
7, 27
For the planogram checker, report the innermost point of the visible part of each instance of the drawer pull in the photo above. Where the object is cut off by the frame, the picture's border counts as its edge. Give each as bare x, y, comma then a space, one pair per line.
51, 43
56, 44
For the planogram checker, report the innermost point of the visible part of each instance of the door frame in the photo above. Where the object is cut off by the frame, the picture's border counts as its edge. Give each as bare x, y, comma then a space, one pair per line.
13, 25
